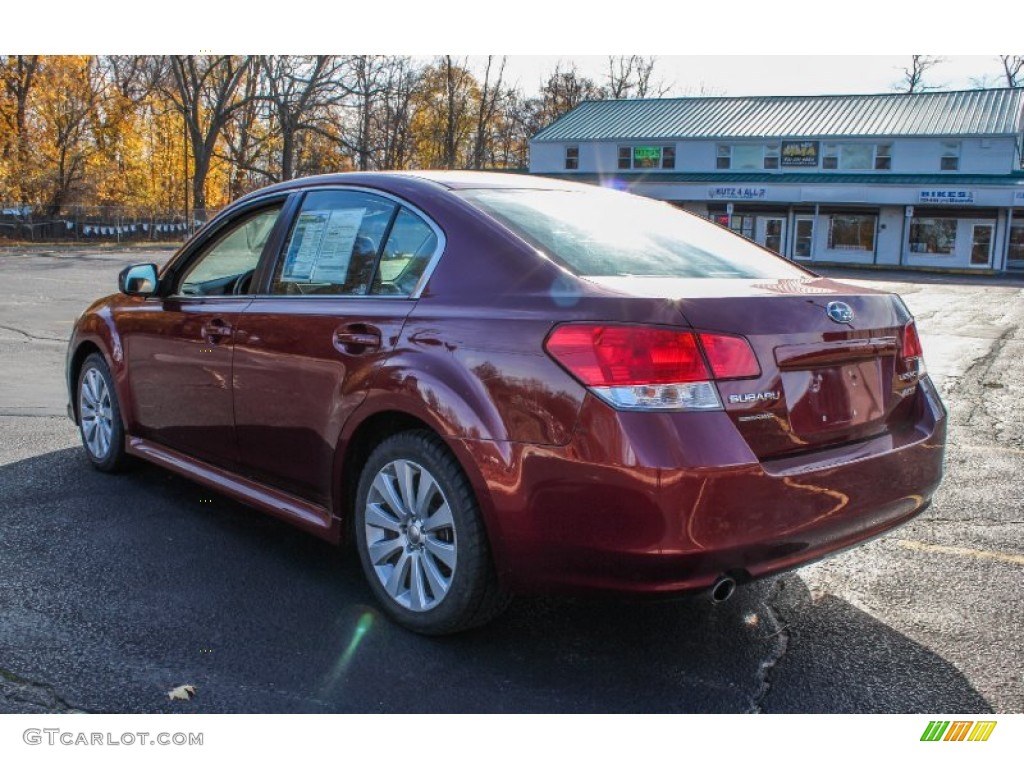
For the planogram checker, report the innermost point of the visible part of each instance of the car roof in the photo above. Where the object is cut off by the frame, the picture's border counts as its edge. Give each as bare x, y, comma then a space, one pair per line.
437, 179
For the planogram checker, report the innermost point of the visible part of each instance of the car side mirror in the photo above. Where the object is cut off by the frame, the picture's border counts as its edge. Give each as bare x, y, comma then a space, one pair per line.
138, 280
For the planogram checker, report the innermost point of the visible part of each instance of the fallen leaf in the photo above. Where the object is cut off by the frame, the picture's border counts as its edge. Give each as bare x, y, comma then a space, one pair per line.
182, 693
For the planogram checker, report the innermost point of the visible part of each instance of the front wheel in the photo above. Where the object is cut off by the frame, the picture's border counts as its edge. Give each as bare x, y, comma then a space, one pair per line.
99, 416
421, 540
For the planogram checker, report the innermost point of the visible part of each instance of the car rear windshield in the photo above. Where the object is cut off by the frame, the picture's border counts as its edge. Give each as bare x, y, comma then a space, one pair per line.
603, 233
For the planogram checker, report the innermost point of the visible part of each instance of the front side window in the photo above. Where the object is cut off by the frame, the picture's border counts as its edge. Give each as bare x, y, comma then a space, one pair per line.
851, 232
572, 158
646, 157
950, 160
602, 233
334, 244
933, 235
226, 265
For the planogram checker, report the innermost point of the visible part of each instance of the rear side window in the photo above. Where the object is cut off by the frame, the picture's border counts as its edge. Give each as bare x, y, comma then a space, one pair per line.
601, 233
408, 251
334, 244
353, 243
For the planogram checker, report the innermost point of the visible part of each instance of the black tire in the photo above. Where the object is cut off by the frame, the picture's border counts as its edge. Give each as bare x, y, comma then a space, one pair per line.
106, 455
406, 543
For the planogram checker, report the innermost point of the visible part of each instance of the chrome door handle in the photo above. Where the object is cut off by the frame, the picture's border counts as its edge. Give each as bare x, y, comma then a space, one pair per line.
215, 330
356, 339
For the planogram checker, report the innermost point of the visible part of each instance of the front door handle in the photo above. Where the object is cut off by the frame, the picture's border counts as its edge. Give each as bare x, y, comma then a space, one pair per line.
356, 338
215, 330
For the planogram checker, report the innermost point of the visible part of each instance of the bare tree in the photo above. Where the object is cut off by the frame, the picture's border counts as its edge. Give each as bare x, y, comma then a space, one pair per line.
631, 77
247, 138
457, 83
299, 91
366, 87
206, 92
487, 111
1013, 67
391, 120
913, 76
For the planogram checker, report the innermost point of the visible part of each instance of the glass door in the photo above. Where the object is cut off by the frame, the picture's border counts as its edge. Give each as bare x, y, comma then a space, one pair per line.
1015, 253
771, 232
804, 239
981, 245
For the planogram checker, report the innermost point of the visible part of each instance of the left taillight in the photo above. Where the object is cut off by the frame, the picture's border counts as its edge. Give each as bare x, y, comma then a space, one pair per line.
911, 348
636, 367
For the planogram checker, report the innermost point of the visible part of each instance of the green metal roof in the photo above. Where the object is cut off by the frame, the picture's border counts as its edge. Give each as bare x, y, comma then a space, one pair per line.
991, 112
908, 179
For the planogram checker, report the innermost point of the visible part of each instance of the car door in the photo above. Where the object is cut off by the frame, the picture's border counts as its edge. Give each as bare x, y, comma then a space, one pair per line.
178, 344
307, 348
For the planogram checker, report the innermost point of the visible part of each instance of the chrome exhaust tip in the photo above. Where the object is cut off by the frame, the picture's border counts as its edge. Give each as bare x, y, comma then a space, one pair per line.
723, 588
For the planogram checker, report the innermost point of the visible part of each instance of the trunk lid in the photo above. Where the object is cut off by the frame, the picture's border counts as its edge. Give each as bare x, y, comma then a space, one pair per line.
827, 378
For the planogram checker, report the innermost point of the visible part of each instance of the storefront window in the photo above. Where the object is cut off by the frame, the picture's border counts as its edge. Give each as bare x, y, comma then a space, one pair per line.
646, 157
743, 225
1015, 255
950, 160
851, 232
857, 157
934, 236
572, 158
747, 157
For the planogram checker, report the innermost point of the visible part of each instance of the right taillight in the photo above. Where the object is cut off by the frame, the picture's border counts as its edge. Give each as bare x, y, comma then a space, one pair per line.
912, 353
636, 367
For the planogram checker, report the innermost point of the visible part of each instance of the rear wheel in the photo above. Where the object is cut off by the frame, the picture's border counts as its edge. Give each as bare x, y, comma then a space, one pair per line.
99, 416
421, 540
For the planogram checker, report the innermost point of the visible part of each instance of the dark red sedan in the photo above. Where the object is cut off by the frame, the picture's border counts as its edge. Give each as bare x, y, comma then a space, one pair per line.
498, 384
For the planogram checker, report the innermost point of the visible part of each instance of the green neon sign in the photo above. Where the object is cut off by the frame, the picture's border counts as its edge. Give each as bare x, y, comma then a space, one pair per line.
646, 153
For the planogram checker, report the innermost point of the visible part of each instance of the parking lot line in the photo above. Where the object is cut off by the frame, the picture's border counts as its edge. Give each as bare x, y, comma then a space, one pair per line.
978, 554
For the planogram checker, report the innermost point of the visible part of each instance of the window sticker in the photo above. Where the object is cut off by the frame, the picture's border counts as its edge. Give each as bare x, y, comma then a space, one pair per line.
321, 246
337, 244
302, 252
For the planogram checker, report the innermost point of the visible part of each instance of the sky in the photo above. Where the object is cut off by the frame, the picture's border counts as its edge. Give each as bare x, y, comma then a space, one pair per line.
745, 47
765, 75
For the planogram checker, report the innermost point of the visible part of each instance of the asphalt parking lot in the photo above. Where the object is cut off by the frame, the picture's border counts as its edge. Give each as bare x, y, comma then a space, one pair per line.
116, 589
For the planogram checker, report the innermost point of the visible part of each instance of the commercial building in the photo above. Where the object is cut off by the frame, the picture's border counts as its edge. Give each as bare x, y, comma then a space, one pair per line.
929, 180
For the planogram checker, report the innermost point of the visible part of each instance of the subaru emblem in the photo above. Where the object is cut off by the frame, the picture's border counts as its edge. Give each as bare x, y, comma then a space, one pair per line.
839, 312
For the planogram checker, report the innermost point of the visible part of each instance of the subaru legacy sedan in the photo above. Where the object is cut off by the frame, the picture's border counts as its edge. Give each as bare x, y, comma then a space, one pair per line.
498, 384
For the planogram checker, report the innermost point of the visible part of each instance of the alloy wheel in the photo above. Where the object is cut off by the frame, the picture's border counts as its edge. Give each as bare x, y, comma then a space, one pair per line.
96, 413
410, 535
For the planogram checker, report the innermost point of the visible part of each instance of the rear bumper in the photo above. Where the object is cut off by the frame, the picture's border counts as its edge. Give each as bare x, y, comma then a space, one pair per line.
663, 503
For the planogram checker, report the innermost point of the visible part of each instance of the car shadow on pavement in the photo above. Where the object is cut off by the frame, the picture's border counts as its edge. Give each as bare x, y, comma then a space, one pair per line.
115, 589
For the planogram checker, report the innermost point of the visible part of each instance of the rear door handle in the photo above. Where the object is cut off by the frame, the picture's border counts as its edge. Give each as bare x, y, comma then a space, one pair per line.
215, 330
356, 338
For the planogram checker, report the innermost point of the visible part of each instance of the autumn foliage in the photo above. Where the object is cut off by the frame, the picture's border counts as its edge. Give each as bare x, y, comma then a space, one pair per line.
166, 133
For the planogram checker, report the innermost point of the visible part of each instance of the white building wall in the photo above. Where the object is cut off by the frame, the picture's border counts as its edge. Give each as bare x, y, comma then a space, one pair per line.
917, 155
548, 158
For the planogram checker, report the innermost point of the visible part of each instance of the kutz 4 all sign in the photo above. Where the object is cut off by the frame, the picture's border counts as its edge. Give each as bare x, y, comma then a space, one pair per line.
958, 730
